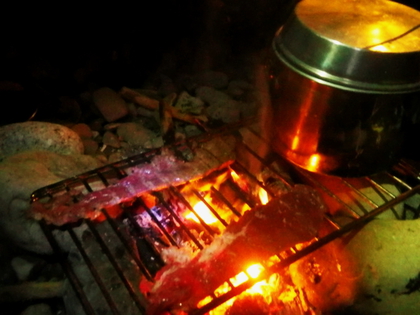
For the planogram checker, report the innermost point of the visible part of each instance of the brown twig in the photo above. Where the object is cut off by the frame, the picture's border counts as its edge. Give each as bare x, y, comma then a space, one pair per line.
153, 104
139, 99
166, 114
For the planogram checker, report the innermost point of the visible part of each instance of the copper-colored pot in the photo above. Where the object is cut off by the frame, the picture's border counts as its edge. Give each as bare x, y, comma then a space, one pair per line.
340, 99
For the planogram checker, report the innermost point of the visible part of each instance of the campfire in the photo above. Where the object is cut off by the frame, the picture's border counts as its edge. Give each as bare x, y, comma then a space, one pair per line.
178, 220
126, 182
174, 224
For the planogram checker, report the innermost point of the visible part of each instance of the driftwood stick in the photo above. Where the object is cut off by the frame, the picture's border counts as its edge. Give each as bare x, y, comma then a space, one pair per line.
153, 104
31, 291
166, 122
192, 119
139, 99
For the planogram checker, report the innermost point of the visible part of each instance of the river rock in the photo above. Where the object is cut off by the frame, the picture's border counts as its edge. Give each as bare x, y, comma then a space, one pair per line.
227, 112
189, 104
111, 139
373, 270
83, 130
211, 96
388, 267
110, 104
22, 174
136, 134
23, 266
35, 135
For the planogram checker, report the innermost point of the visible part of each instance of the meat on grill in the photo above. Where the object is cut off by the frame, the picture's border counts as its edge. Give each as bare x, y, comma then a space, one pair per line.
163, 170
266, 230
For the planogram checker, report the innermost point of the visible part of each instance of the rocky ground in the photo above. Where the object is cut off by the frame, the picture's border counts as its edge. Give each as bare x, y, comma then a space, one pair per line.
93, 128
115, 88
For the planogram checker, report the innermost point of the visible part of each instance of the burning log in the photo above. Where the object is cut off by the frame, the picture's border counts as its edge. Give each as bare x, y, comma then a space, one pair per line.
259, 234
163, 170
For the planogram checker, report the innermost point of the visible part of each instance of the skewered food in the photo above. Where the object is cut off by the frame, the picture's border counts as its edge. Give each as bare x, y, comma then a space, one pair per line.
163, 170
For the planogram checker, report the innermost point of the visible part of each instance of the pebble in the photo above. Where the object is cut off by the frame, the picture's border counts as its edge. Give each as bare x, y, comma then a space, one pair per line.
35, 135
192, 130
221, 106
115, 157
23, 267
227, 112
91, 146
97, 124
110, 104
111, 139
135, 134
189, 104
20, 175
211, 95
83, 130
155, 142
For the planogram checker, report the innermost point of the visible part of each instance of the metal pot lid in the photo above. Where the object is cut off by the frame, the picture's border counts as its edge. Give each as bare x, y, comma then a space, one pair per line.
360, 45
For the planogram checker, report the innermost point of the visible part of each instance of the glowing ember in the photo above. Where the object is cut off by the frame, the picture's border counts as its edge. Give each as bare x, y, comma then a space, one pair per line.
241, 182
314, 161
263, 195
255, 270
204, 212
273, 291
252, 271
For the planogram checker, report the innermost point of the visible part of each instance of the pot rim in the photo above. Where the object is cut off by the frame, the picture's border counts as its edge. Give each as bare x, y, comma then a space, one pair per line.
336, 64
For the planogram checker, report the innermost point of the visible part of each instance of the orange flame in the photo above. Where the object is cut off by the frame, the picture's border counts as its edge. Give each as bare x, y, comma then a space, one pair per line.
263, 195
314, 161
264, 288
204, 212
271, 288
252, 271
241, 182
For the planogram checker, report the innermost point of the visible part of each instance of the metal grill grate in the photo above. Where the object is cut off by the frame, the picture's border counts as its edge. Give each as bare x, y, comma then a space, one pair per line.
131, 245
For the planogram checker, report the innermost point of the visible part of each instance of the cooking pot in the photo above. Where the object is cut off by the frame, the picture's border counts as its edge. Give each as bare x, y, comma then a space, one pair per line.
345, 82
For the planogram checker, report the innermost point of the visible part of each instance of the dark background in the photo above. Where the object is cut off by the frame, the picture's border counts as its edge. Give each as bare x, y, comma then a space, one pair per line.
51, 51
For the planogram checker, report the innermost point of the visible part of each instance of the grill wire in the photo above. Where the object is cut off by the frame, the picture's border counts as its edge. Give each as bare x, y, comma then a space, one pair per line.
144, 253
